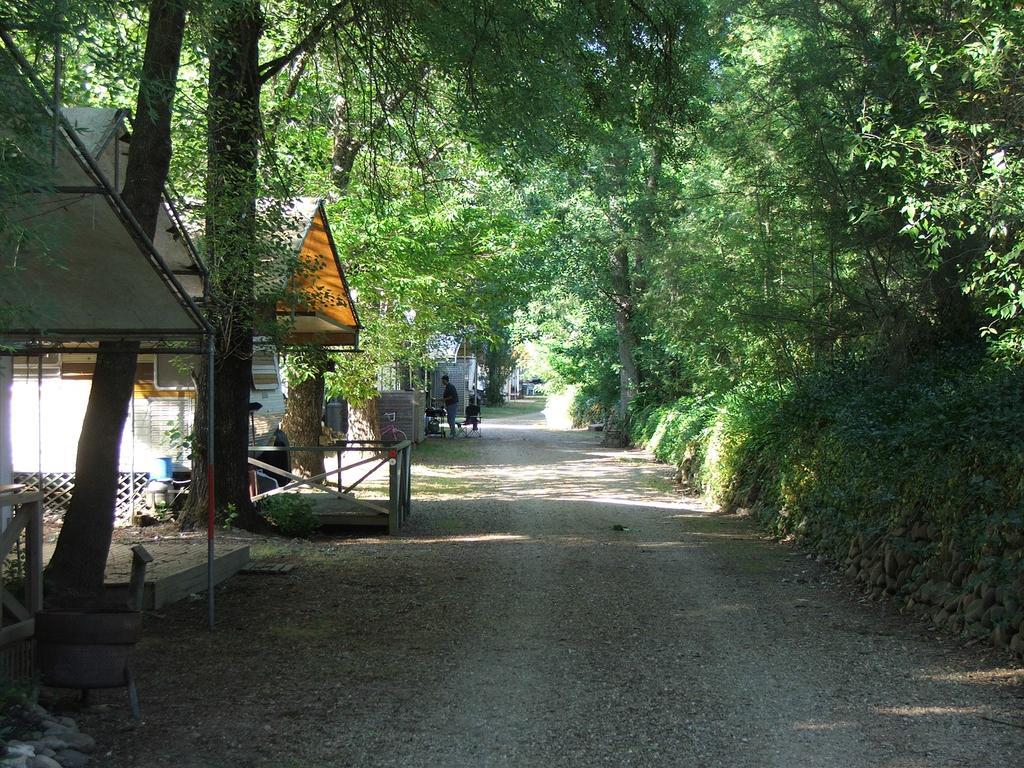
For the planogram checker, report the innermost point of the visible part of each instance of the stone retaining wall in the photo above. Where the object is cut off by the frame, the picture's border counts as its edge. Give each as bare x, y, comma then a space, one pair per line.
980, 597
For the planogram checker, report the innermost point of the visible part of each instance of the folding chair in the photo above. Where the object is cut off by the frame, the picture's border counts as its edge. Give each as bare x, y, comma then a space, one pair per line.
470, 425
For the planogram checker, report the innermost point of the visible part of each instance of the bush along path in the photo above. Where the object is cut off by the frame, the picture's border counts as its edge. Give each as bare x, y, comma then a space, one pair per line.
910, 482
554, 603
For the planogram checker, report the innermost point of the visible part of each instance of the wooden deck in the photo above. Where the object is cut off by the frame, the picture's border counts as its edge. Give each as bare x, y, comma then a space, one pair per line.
177, 571
345, 511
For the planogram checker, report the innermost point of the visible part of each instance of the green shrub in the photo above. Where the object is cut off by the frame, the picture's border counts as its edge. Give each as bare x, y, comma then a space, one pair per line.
677, 434
587, 409
861, 449
290, 513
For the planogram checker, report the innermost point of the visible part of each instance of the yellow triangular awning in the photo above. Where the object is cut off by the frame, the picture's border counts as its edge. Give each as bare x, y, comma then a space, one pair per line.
320, 308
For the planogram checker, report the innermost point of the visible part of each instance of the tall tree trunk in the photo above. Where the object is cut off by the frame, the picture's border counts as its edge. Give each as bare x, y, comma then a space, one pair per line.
627, 267
303, 423
627, 340
499, 362
958, 323
364, 420
80, 557
232, 189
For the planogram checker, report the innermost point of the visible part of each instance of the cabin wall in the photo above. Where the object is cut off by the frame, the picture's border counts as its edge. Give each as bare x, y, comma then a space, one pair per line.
463, 375
269, 416
47, 415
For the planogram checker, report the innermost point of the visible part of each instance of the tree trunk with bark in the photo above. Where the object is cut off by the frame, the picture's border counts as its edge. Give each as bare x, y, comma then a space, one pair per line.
627, 341
80, 557
364, 420
303, 423
232, 189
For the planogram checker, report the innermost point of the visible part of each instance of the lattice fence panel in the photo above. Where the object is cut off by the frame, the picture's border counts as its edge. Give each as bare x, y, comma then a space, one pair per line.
131, 500
57, 487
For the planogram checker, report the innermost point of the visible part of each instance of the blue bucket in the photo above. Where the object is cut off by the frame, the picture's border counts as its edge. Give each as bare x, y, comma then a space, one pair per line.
163, 468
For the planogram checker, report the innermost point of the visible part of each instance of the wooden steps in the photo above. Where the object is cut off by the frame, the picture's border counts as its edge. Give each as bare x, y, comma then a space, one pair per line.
346, 511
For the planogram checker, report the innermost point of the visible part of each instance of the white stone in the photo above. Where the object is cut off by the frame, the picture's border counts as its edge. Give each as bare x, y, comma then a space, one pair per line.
80, 741
72, 758
49, 742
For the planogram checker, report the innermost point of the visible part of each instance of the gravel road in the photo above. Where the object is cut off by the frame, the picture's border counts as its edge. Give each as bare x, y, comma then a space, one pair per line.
555, 603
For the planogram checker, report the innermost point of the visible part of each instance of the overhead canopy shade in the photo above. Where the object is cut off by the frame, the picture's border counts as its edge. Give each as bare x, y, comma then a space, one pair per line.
93, 283
86, 271
75, 266
319, 303
105, 135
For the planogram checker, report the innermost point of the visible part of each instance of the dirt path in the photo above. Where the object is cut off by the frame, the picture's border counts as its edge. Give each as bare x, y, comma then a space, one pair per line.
511, 624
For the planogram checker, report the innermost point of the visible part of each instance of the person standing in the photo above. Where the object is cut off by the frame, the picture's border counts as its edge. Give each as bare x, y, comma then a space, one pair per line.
451, 403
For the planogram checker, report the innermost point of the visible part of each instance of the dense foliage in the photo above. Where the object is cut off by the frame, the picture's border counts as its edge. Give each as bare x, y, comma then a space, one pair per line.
780, 239
827, 331
858, 450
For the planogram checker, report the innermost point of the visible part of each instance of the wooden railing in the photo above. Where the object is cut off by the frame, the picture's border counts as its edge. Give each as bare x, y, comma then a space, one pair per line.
28, 518
373, 454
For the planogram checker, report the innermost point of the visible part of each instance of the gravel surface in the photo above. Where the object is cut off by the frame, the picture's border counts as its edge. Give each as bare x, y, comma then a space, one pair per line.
555, 603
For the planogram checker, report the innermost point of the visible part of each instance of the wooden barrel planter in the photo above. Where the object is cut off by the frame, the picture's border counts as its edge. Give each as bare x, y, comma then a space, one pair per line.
86, 650
91, 649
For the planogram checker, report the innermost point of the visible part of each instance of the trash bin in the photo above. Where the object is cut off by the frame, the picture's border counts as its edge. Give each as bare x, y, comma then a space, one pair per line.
334, 416
162, 469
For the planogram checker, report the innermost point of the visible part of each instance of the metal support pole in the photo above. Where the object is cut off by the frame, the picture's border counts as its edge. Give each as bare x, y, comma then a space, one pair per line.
407, 499
211, 505
34, 556
394, 494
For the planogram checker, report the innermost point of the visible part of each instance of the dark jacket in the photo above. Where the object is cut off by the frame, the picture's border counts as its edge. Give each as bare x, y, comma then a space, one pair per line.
451, 395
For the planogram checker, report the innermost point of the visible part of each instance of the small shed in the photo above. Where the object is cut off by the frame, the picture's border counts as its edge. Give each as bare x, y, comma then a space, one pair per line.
463, 373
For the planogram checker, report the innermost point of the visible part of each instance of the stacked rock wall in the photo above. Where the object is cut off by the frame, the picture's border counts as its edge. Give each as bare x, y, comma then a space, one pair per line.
978, 596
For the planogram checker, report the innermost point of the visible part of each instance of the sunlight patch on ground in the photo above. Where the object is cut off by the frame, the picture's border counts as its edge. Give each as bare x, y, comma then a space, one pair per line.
605, 499
985, 676
585, 481
732, 536
927, 711
822, 726
531, 427
464, 539
518, 538
443, 472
